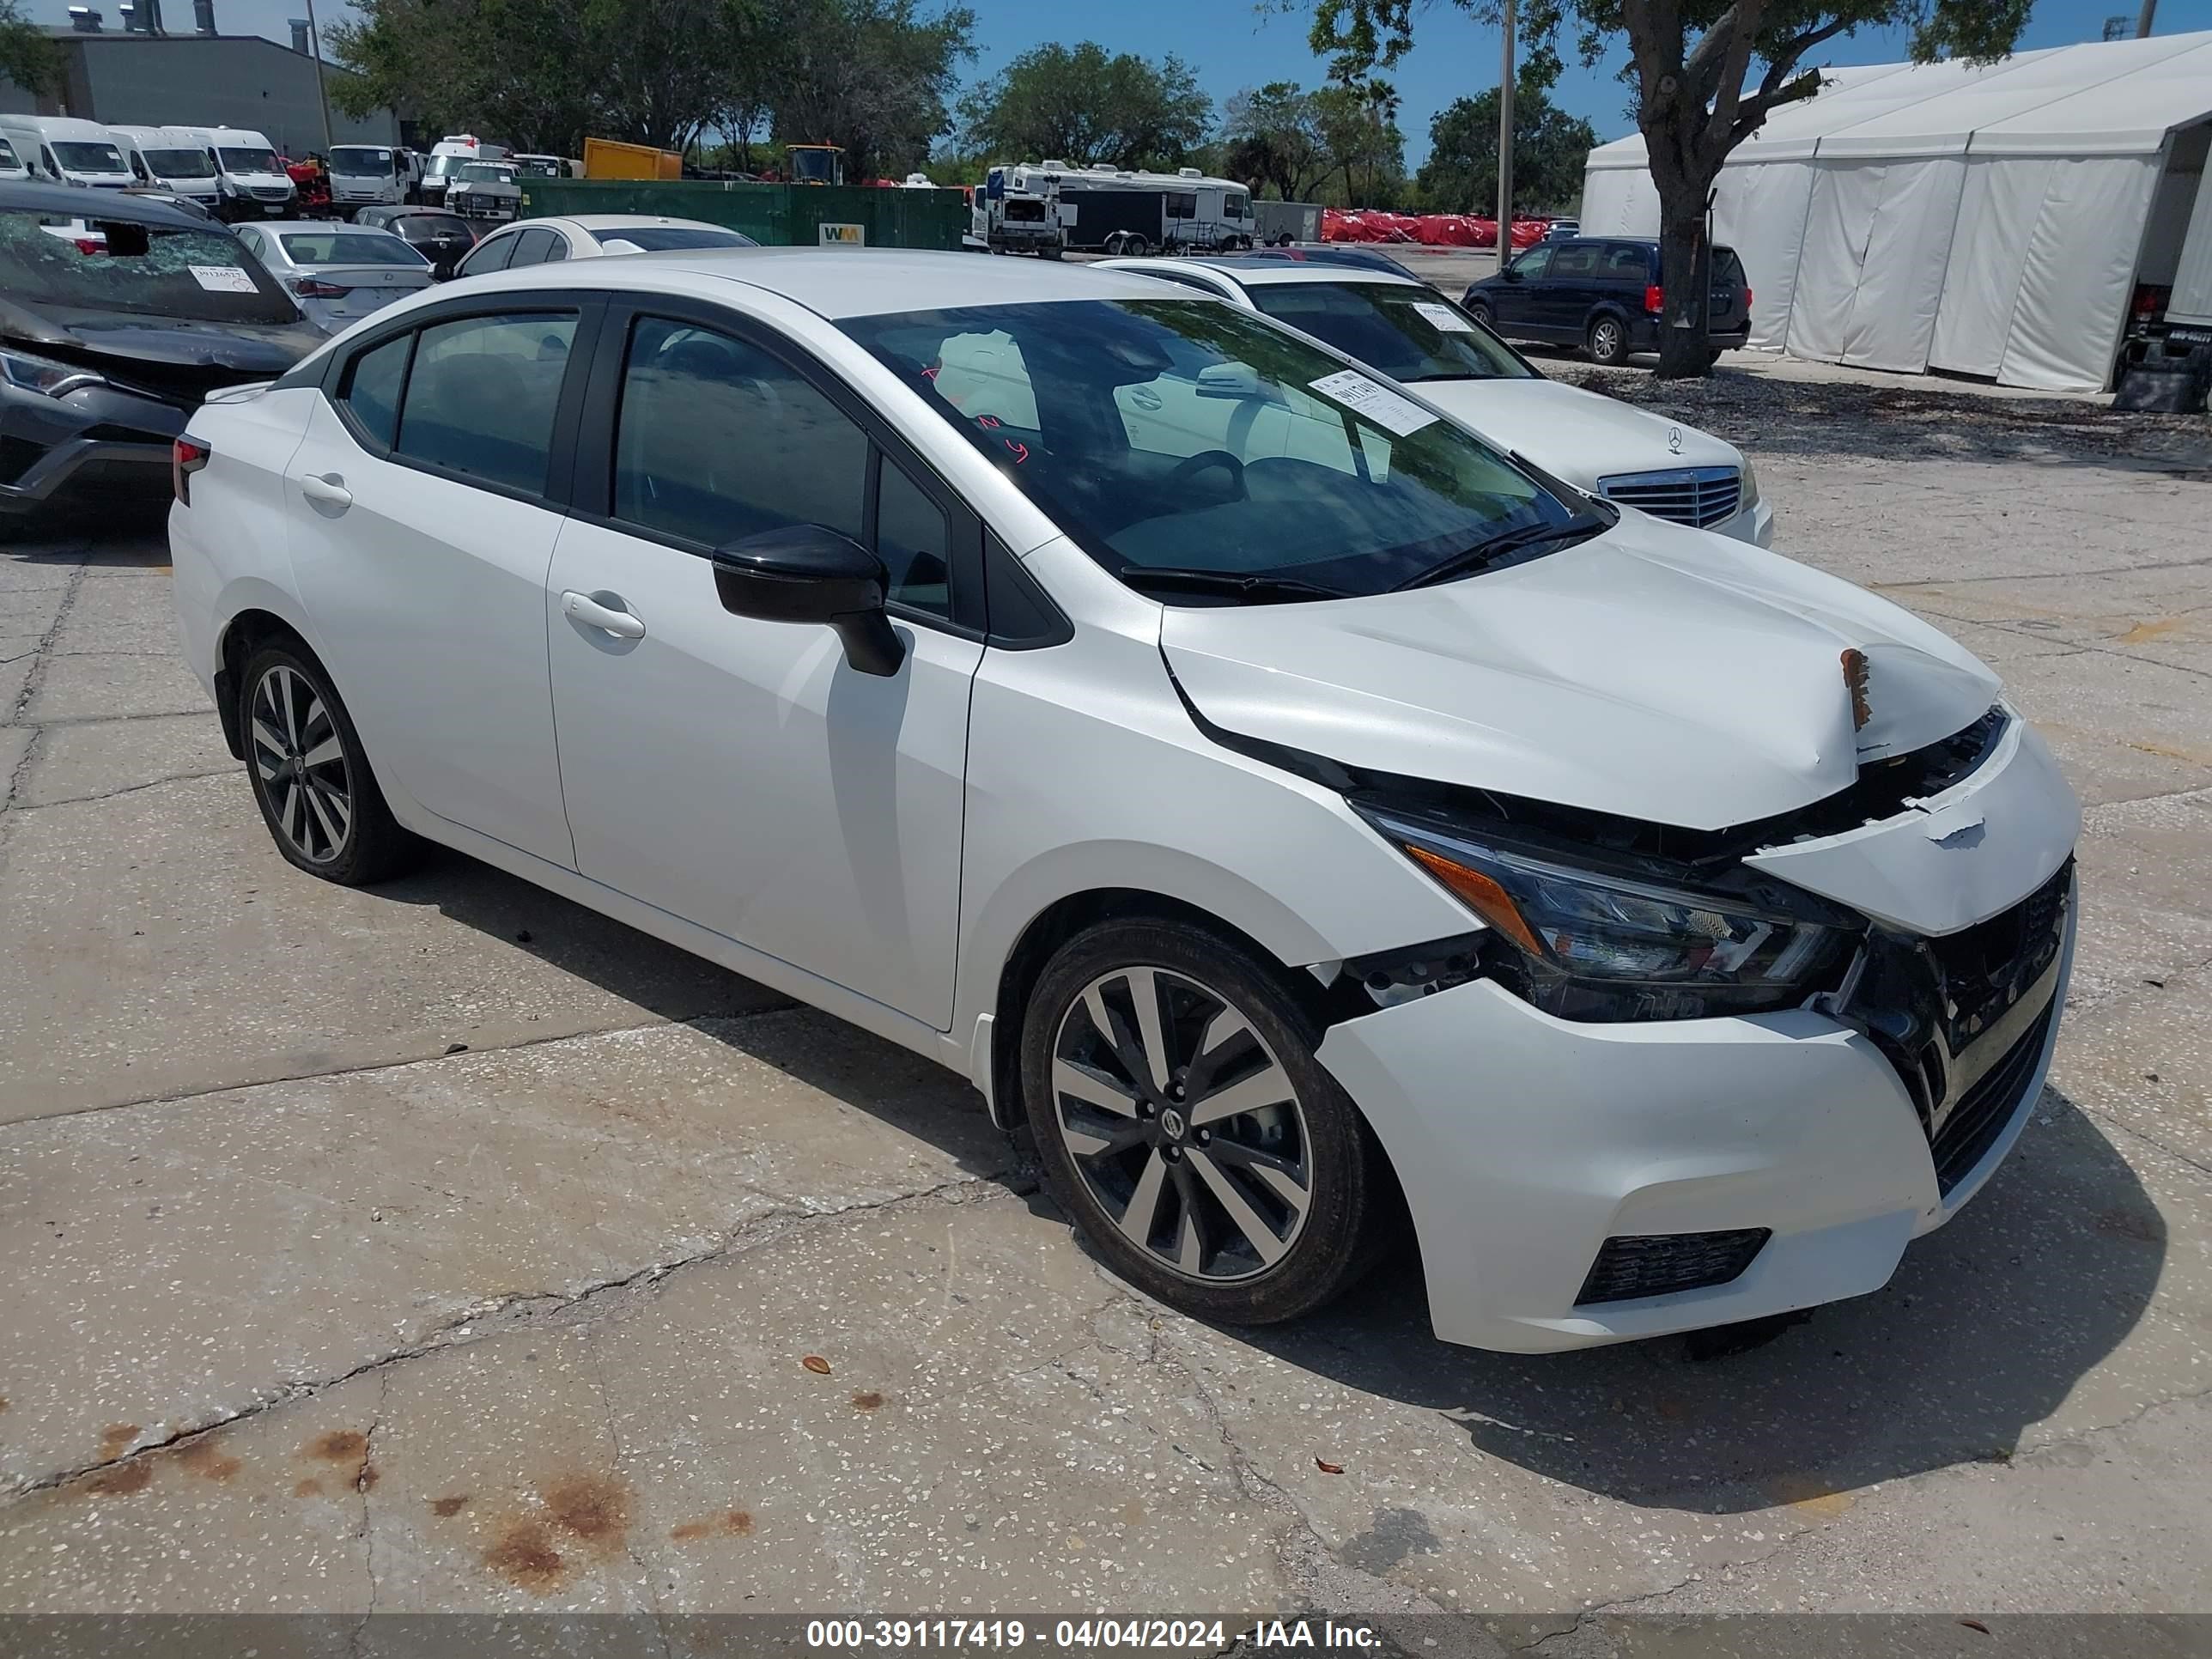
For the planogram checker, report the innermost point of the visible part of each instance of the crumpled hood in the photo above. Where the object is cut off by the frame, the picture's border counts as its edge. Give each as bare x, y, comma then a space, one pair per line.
129, 340
1574, 435
1658, 673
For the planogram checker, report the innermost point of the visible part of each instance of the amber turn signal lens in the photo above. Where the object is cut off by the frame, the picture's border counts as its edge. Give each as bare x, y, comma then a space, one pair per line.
1481, 894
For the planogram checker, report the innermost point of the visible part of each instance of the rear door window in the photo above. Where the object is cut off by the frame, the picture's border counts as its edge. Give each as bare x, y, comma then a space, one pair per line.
1576, 259
1627, 262
482, 396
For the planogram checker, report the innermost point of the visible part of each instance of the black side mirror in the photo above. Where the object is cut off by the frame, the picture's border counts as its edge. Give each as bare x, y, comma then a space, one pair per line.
805, 573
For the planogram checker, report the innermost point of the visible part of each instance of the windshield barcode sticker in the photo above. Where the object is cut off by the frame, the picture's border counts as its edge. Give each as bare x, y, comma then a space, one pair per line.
1443, 317
1377, 403
223, 279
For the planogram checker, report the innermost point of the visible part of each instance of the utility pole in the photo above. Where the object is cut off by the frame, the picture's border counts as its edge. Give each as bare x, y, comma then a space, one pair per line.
1505, 143
322, 92
2143, 18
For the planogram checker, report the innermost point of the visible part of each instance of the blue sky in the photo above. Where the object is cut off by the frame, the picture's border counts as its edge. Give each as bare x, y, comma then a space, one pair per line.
1233, 46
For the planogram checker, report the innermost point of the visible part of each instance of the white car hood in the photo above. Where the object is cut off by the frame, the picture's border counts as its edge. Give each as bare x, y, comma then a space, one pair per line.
1658, 673
1563, 429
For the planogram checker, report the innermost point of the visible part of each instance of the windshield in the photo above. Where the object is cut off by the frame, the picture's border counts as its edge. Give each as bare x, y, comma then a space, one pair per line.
1409, 333
349, 247
443, 166
1186, 435
352, 158
538, 166
90, 158
249, 160
158, 270
658, 239
485, 172
176, 163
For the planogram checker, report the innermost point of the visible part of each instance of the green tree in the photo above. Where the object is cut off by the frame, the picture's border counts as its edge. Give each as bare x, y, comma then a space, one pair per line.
1358, 120
1273, 136
26, 57
1706, 74
1549, 148
1080, 106
874, 75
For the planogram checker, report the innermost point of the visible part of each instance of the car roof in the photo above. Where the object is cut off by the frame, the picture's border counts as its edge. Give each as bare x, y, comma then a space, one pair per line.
1256, 275
67, 202
599, 221
836, 283
318, 225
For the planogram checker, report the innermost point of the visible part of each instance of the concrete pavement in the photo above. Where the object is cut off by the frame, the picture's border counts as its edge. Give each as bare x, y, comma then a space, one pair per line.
444, 1247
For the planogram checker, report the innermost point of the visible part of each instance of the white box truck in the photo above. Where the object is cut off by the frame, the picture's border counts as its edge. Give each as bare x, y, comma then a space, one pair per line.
367, 175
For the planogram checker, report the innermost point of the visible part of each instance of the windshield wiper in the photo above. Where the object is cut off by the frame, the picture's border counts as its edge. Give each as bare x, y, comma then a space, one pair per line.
1260, 589
1496, 550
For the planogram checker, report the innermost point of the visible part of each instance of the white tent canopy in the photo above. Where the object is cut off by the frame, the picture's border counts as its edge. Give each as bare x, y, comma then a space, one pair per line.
1984, 219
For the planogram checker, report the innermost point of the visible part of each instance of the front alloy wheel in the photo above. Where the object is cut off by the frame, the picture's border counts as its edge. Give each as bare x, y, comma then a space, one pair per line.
1183, 1123
1170, 1082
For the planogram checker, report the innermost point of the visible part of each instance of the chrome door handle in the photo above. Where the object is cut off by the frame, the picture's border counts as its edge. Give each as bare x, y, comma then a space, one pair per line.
329, 489
583, 608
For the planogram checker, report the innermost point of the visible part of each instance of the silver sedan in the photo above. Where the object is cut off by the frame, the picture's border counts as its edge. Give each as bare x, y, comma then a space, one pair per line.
339, 273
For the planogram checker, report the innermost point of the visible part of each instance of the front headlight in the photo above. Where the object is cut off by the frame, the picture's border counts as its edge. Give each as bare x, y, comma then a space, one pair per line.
1749, 496
1590, 945
44, 374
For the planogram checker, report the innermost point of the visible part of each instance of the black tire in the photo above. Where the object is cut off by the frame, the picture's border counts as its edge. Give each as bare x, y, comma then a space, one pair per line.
1606, 341
369, 845
1480, 311
1344, 1226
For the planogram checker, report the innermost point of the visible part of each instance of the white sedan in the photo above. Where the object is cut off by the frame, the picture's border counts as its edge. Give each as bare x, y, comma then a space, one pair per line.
1271, 792
588, 235
1415, 335
339, 273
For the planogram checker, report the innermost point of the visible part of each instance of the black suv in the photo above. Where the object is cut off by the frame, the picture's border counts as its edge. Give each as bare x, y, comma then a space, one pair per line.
1601, 293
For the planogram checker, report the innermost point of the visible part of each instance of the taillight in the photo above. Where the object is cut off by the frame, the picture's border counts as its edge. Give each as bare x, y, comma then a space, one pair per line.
187, 457
1651, 298
90, 244
313, 288
1746, 298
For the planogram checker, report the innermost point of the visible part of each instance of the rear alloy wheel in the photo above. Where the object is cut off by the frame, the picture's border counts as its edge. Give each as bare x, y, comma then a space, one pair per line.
1607, 342
1479, 310
310, 778
1184, 1122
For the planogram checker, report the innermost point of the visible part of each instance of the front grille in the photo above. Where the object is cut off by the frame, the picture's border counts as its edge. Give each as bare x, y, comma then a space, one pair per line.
1986, 1109
1656, 1263
1699, 496
1939, 1008
271, 193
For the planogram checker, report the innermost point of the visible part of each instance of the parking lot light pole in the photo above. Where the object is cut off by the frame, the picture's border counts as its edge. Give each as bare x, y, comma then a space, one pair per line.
1505, 146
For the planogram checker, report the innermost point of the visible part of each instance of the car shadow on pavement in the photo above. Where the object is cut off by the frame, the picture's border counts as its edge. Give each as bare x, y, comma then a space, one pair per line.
863, 1071
1988, 1326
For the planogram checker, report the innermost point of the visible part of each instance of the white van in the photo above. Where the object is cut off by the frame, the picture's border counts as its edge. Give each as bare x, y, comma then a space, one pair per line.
66, 151
446, 157
367, 175
171, 159
250, 182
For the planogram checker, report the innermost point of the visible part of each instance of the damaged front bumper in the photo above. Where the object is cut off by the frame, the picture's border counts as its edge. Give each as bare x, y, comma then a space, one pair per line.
1751, 1165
